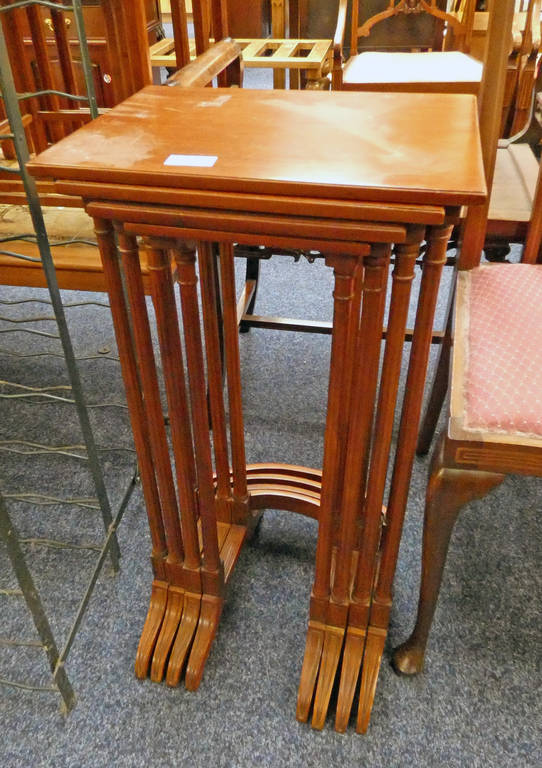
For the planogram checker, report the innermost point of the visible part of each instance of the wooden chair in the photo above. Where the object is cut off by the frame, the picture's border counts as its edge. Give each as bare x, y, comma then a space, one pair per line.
512, 196
513, 193
495, 424
78, 265
522, 61
450, 70
49, 117
522, 68
495, 419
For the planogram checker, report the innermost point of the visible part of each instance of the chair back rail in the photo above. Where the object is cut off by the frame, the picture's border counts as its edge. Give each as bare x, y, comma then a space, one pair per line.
378, 60
458, 22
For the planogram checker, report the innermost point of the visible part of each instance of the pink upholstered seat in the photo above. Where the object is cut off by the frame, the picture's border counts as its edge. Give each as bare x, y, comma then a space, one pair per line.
497, 385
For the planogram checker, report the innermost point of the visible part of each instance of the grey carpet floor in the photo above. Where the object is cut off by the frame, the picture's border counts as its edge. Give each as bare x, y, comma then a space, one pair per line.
478, 702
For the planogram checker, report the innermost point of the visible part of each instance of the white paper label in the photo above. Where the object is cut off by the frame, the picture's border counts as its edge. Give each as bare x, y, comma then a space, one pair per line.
194, 161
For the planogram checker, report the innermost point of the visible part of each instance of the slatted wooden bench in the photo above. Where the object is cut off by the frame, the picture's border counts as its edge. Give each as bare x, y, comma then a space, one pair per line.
78, 268
313, 57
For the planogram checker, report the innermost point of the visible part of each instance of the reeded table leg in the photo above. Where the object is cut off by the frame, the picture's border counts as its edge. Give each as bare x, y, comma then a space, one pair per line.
212, 576
359, 442
433, 262
181, 438
332, 477
358, 614
365, 353
140, 429
129, 251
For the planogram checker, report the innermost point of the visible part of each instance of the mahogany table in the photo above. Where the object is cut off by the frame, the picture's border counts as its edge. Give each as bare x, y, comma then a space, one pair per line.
342, 176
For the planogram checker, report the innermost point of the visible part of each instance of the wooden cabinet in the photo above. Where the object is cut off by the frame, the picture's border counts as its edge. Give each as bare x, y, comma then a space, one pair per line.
96, 37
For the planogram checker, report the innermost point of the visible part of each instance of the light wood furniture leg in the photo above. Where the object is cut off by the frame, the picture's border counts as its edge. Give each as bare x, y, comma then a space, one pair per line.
367, 338
233, 375
439, 386
359, 443
214, 348
278, 30
212, 573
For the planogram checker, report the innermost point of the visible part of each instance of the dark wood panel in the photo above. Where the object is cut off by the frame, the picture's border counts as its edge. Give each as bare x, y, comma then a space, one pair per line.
249, 18
403, 31
318, 19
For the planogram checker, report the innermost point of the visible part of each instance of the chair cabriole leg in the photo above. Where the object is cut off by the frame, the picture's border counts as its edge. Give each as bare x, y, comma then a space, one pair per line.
448, 491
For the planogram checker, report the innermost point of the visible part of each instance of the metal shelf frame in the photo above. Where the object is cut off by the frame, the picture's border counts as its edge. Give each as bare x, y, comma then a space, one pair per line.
71, 394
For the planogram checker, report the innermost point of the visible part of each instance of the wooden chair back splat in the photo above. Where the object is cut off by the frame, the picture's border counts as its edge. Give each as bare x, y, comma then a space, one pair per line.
522, 62
458, 20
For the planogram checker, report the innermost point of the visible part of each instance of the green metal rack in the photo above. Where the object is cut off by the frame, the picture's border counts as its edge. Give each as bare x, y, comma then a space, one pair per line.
71, 395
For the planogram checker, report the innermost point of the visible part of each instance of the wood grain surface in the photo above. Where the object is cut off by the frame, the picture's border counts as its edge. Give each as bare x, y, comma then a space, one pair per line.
370, 146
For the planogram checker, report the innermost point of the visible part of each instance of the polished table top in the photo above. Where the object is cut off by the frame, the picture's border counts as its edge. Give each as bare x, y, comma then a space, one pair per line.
400, 148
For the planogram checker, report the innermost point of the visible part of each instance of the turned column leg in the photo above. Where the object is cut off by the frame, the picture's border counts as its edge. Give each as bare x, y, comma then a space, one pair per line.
448, 491
337, 424
212, 322
158, 440
381, 598
140, 428
212, 571
185, 257
353, 521
357, 645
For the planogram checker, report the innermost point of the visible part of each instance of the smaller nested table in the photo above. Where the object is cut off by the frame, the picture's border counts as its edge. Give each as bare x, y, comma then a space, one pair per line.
185, 174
